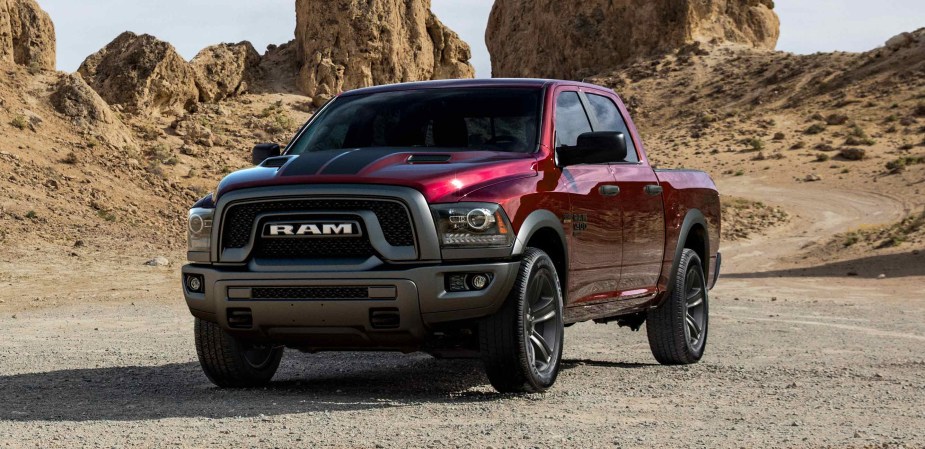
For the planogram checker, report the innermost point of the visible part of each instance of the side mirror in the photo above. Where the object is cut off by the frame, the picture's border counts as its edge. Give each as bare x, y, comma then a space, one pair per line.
594, 148
265, 151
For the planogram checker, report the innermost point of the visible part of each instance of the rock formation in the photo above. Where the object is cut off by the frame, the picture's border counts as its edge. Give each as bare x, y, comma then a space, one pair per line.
225, 70
27, 35
142, 74
77, 101
573, 40
346, 44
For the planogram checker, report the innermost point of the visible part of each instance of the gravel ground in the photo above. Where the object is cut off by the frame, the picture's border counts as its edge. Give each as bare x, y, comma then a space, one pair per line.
778, 373
798, 356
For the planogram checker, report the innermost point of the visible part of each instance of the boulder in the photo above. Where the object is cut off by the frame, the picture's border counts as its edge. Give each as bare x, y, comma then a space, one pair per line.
142, 74
27, 34
74, 98
347, 44
574, 40
225, 70
906, 40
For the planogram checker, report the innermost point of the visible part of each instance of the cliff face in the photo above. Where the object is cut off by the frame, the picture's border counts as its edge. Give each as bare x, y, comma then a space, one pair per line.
347, 44
27, 35
573, 40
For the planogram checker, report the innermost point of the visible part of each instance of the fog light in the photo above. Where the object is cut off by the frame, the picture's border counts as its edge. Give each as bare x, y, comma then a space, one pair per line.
194, 283
479, 281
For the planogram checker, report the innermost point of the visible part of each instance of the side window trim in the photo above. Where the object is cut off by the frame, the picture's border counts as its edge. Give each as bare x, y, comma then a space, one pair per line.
584, 105
592, 117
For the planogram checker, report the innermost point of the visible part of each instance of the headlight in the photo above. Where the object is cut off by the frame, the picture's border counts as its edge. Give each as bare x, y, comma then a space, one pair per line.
199, 229
472, 225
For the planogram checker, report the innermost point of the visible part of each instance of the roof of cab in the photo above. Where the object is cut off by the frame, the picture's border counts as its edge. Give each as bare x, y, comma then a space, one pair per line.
444, 84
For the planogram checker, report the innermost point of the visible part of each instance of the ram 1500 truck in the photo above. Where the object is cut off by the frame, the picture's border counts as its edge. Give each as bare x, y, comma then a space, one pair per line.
470, 218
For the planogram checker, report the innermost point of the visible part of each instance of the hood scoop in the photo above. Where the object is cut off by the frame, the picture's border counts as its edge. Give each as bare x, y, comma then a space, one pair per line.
276, 162
429, 159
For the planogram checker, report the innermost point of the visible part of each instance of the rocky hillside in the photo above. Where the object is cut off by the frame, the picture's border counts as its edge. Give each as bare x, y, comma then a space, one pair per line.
112, 156
852, 121
573, 40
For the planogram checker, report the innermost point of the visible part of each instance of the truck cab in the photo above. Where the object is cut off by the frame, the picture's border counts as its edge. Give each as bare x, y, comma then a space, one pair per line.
469, 218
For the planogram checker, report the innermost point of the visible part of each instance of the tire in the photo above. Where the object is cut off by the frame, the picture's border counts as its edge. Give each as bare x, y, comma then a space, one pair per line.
514, 340
678, 328
231, 363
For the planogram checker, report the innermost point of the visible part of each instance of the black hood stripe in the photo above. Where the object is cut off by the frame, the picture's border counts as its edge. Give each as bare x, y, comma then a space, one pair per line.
336, 162
355, 161
310, 163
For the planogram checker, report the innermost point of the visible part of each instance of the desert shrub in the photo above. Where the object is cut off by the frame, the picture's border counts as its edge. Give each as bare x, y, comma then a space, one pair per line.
853, 154
106, 215
798, 146
919, 110
32, 215
70, 159
20, 121
154, 168
276, 120
822, 157
900, 164
815, 128
754, 144
836, 119
851, 239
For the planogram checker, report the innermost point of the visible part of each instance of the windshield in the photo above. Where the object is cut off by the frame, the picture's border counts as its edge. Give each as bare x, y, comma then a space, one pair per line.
464, 119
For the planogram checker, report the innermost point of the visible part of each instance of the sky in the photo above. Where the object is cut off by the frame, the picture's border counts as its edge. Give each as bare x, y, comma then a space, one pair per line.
85, 26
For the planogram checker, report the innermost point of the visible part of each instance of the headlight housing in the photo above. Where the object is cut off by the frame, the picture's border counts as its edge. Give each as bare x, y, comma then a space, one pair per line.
199, 230
472, 225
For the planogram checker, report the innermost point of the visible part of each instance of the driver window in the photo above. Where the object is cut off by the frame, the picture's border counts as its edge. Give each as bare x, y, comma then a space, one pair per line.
571, 119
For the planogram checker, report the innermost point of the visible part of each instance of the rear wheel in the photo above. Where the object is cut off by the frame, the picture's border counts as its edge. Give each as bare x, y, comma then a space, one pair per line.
232, 363
521, 344
677, 329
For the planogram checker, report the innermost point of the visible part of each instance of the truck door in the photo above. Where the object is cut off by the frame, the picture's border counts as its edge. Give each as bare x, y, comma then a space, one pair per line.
640, 202
595, 249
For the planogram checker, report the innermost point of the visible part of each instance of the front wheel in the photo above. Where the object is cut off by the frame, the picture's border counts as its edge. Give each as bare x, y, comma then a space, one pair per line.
677, 328
232, 363
521, 344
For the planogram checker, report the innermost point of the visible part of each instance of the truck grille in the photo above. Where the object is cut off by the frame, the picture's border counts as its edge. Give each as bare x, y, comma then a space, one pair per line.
340, 248
310, 293
240, 219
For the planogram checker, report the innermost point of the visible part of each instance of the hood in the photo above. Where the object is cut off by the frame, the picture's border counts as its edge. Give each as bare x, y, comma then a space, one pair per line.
442, 176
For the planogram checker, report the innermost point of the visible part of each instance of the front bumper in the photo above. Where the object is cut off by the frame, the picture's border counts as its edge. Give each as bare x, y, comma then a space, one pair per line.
416, 297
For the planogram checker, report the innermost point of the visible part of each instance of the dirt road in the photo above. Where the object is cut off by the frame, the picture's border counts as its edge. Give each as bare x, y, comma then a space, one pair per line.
100, 354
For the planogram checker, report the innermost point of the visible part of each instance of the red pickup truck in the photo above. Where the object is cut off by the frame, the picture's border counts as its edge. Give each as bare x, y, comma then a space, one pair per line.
470, 218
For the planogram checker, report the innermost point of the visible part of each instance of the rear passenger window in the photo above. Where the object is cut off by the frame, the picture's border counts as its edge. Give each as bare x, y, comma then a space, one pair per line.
571, 119
608, 115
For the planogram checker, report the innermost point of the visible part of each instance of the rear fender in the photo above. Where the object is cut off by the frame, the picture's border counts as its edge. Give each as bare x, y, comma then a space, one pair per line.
693, 218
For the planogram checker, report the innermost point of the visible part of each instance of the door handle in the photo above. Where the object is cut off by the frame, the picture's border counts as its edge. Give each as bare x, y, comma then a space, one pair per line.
654, 190
610, 190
